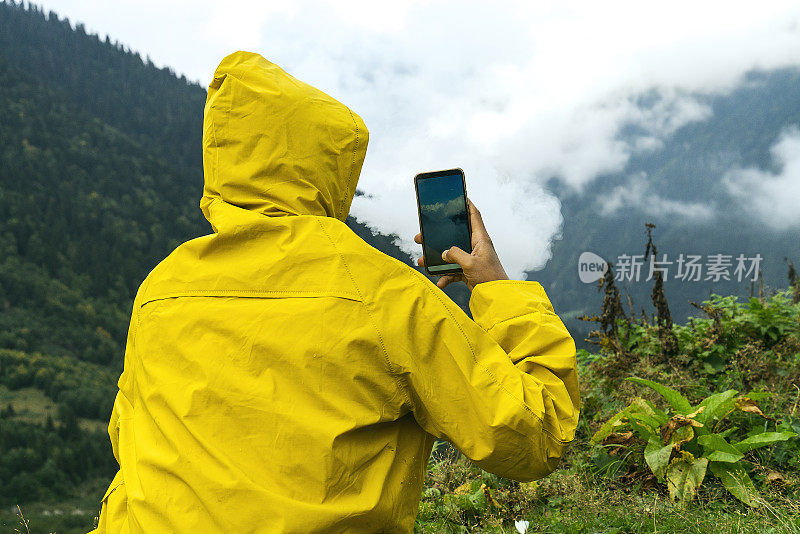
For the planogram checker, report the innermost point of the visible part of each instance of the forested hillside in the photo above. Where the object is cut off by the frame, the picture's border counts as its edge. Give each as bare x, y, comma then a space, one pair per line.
100, 178
90, 199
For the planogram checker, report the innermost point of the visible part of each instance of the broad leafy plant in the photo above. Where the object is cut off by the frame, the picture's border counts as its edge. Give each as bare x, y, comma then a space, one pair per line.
685, 442
731, 326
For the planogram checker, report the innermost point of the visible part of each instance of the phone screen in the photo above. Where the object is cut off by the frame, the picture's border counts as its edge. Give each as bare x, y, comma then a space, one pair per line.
443, 217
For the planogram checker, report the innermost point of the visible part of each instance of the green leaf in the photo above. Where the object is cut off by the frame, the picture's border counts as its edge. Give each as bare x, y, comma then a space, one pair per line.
657, 455
478, 500
717, 449
643, 430
736, 481
461, 502
638, 406
758, 395
714, 361
681, 435
648, 420
660, 415
716, 405
678, 402
684, 476
605, 464
763, 439
608, 427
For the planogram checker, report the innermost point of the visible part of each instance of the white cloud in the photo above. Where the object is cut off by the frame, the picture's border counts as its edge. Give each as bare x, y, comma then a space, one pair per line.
772, 197
445, 209
635, 195
512, 92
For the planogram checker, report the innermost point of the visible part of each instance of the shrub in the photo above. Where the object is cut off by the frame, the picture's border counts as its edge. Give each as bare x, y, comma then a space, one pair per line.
683, 443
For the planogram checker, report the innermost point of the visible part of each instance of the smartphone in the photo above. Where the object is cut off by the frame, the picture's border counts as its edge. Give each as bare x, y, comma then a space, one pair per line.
443, 217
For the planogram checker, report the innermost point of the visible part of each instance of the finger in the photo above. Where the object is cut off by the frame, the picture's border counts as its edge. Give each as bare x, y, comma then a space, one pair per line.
421, 261
447, 279
457, 255
475, 219
418, 238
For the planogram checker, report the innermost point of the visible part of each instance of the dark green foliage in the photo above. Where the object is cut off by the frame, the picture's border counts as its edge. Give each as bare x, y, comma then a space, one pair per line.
794, 282
669, 343
82, 223
37, 463
152, 106
743, 345
48, 460
87, 390
42, 313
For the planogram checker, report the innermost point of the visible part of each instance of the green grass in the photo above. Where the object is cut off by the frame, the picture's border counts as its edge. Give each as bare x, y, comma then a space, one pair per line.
572, 500
568, 501
73, 514
30, 404
33, 406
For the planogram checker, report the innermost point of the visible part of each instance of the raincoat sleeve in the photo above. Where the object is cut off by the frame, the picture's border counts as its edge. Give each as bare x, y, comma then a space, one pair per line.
502, 388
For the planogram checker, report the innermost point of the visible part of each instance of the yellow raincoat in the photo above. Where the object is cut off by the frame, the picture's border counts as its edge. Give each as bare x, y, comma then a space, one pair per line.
281, 375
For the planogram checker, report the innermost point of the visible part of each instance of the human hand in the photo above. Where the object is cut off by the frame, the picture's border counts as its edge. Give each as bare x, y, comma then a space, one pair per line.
482, 265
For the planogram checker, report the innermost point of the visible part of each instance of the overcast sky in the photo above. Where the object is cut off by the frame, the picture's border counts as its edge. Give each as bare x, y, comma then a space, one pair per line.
512, 92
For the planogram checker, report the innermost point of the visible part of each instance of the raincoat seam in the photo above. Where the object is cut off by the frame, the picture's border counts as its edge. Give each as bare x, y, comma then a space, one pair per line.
506, 282
113, 487
215, 170
398, 382
492, 375
352, 163
111, 490
254, 293
532, 312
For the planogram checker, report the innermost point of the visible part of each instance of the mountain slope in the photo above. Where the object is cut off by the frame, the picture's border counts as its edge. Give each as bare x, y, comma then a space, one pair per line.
152, 106
687, 173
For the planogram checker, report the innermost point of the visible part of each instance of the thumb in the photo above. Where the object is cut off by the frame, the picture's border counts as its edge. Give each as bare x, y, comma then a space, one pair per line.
456, 255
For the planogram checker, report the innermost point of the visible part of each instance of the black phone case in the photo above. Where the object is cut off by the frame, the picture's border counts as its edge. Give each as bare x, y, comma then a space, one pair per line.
432, 174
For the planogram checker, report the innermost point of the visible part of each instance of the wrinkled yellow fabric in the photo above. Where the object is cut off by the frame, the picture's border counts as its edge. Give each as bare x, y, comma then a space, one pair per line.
281, 375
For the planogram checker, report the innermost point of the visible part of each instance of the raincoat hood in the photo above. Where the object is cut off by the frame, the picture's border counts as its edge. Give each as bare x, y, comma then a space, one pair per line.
275, 146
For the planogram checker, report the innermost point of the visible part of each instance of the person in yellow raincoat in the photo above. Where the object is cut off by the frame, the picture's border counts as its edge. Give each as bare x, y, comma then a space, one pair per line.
281, 375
